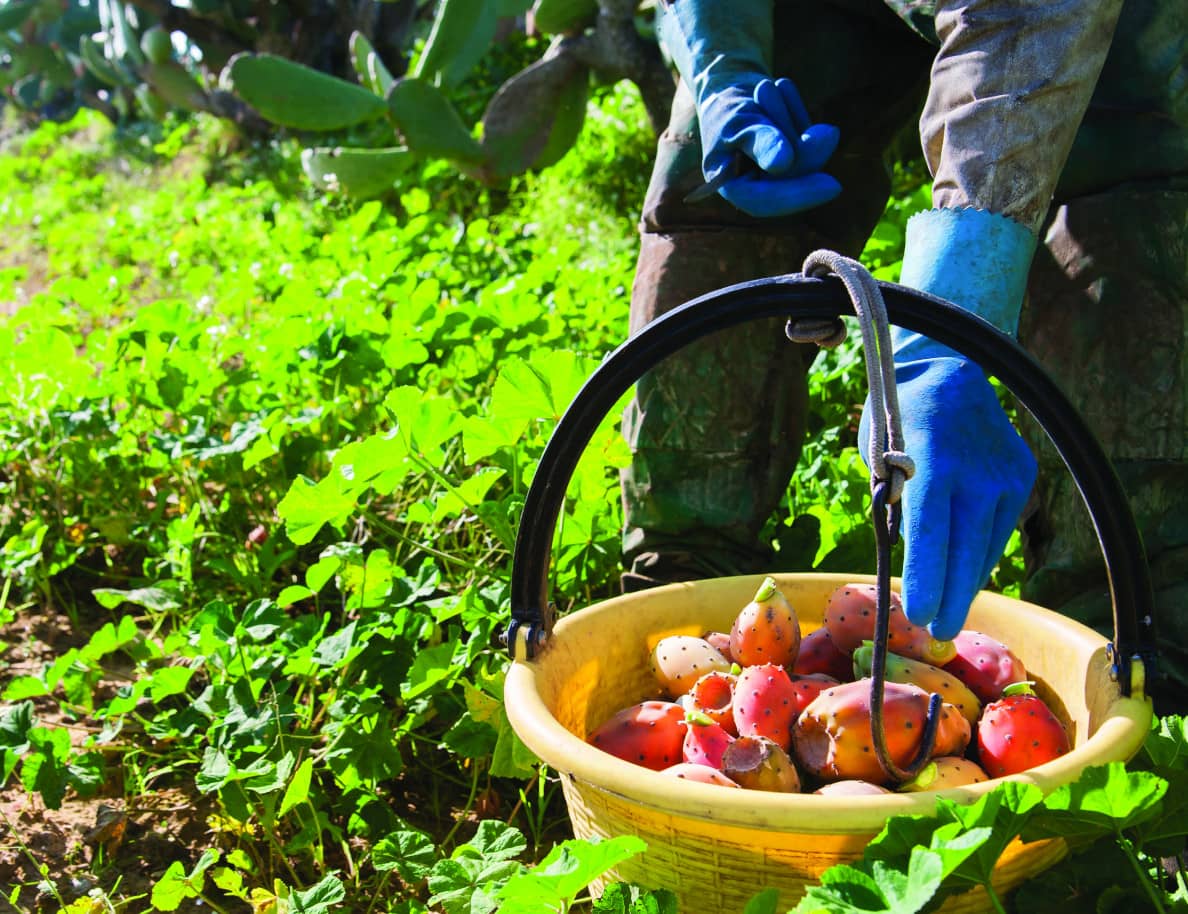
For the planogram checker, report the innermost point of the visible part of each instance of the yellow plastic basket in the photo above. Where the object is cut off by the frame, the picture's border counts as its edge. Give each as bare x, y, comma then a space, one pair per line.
714, 847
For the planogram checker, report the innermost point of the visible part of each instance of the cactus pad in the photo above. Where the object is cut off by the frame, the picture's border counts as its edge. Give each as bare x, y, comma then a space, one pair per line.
564, 17
176, 85
368, 66
14, 14
297, 96
429, 123
461, 34
536, 116
359, 173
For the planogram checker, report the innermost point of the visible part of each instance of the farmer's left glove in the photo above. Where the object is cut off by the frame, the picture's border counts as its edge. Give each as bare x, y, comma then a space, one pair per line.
973, 471
754, 130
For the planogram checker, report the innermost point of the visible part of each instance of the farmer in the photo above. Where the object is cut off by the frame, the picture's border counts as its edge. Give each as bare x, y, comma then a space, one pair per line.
801, 104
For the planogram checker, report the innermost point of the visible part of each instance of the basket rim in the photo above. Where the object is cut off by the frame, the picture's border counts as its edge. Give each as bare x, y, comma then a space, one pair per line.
1121, 732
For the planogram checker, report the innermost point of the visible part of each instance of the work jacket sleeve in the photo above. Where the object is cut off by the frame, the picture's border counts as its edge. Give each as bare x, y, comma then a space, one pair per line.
1009, 87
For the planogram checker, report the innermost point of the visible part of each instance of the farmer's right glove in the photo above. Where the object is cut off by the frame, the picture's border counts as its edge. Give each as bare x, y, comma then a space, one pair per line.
752, 127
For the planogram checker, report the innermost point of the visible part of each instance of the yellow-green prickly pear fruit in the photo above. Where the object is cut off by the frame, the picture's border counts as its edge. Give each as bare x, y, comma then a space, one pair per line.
945, 772
928, 677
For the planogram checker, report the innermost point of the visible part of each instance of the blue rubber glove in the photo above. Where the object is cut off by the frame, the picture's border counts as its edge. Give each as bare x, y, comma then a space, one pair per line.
756, 134
974, 472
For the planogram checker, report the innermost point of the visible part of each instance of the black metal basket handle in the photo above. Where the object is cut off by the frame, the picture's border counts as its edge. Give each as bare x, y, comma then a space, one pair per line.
798, 297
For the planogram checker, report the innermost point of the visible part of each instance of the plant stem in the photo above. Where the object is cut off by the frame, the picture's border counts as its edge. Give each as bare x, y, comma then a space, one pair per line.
1143, 877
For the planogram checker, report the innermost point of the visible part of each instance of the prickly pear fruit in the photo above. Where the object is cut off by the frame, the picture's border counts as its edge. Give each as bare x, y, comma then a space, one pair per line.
720, 640
925, 675
688, 771
705, 741
850, 789
678, 661
156, 44
850, 620
1019, 731
651, 733
833, 738
818, 654
759, 763
766, 630
765, 703
985, 665
944, 772
713, 695
806, 688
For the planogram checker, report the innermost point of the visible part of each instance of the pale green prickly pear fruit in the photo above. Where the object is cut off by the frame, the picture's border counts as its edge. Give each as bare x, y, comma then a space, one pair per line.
300, 97
157, 45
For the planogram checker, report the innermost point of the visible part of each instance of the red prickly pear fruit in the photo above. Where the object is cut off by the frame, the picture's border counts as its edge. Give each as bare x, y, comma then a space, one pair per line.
678, 661
928, 677
945, 772
834, 741
720, 641
806, 688
651, 733
1019, 731
758, 763
713, 695
766, 630
705, 741
850, 620
850, 789
687, 771
985, 665
818, 654
765, 703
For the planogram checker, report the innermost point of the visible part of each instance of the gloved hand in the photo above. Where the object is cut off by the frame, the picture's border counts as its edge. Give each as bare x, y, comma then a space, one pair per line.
973, 471
756, 134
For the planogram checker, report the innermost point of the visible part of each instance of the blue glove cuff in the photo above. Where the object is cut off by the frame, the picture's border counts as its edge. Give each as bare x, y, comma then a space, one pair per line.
973, 258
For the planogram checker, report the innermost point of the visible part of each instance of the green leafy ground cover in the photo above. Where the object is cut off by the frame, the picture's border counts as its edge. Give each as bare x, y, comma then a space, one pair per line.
261, 462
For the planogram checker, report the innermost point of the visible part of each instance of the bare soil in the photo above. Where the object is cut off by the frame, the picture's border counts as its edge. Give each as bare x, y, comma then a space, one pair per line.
117, 843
